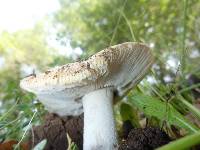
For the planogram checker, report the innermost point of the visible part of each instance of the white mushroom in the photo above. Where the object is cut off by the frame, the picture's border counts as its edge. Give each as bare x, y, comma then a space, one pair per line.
88, 87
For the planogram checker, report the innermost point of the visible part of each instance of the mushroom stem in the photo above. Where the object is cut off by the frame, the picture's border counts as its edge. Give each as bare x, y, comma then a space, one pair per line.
99, 124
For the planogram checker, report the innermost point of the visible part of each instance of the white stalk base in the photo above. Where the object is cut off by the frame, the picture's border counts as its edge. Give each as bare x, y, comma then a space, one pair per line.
99, 124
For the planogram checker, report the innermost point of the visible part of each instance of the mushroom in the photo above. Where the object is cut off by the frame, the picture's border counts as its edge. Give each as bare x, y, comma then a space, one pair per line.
89, 86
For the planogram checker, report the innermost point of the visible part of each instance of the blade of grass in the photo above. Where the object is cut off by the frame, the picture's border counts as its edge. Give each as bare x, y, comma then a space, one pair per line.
11, 122
10, 110
183, 52
71, 144
129, 25
118, 21
18, 144
189, 88
183, 143
189, 106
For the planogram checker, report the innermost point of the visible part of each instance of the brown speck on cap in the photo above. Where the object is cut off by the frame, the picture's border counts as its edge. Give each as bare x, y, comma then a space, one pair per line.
47, 72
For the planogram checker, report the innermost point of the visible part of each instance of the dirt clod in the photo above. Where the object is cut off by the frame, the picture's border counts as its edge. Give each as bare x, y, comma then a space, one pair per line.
145, 139
74, 128
55, 130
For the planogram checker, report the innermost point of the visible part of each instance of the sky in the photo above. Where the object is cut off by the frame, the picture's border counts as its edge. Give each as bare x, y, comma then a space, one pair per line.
22, 14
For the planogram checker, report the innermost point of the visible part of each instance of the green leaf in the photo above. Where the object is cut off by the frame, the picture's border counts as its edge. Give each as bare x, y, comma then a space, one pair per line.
128, 113
195, 111
151, 106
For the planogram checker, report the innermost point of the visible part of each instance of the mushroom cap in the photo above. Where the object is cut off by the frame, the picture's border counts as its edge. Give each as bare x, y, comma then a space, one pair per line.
60, 89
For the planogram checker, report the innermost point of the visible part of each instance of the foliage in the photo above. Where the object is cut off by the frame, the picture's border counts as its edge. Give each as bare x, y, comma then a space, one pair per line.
162, 111
183, 143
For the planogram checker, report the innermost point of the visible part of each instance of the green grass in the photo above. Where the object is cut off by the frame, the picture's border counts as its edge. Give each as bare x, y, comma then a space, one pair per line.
183, 143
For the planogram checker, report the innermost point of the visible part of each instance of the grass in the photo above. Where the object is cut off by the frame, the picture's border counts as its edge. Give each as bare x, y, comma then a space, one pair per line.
151, 106
25, 132
183, 143
117, 24
183, 53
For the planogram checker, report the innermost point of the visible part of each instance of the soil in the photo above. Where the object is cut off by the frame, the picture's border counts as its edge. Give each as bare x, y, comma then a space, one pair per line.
55, 129
148, 138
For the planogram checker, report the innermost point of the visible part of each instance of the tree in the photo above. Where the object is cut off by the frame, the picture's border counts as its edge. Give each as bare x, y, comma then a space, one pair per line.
94, 25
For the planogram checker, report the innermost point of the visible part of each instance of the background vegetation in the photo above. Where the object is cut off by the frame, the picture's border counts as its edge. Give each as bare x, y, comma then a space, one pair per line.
168, 96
